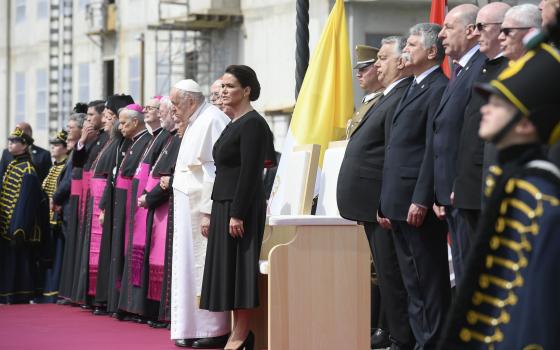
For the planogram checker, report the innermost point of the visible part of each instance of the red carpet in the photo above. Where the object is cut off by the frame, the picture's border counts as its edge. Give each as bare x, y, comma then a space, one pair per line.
56, 327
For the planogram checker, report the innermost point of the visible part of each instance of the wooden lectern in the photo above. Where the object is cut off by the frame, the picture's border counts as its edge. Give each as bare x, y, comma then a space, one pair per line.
317, 283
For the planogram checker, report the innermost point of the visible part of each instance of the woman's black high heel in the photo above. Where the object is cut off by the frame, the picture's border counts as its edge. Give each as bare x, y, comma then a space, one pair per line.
249, 342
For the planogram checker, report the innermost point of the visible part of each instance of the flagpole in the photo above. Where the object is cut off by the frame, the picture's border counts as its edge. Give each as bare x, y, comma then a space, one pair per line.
302, 42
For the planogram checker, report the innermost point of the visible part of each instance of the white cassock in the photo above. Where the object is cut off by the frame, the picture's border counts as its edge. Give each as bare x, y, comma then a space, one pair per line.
192, 190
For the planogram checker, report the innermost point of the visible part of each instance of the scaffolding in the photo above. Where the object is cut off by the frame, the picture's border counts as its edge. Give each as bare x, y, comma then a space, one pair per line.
60, 62
189, 45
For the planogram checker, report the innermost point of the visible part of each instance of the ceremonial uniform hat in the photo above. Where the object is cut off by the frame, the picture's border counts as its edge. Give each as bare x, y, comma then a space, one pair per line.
365, 55
116, 102
19, 135
530, 85
60, 138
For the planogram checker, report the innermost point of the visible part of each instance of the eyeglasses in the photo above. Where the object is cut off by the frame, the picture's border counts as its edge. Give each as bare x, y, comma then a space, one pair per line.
482, 26
506, 31
151, 108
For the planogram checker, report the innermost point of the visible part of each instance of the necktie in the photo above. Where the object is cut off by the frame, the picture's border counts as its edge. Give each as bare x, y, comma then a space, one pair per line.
410, 90
456, 70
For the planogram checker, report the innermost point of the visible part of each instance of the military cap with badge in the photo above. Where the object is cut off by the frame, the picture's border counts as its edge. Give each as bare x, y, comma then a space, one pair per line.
19, 136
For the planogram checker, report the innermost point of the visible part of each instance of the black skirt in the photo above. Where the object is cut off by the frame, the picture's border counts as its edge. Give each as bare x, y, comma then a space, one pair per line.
232, 264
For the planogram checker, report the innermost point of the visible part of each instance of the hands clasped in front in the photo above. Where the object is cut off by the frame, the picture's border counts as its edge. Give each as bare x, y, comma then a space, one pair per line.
415, 217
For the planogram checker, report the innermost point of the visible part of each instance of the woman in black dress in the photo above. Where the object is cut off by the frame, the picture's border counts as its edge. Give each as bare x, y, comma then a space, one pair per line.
239, 207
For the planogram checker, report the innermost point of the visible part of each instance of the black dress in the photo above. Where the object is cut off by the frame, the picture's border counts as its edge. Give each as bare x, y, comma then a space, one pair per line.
231, 267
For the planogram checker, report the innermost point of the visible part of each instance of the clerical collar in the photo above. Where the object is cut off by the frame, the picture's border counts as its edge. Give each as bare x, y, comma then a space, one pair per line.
371, 96
138, 135
392, 86
155, 132
467, 56
425, 74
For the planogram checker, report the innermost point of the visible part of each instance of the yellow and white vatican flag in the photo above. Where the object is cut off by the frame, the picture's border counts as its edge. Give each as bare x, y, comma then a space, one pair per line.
325, 101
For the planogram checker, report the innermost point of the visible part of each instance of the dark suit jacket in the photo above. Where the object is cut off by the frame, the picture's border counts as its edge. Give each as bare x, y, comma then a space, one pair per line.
40, 157
239, 155
448, 121
470, 157
85, 157
359, 180
408, 171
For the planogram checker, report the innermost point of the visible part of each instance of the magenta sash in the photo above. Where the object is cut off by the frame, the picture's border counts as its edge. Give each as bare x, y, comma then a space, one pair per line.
124, 183
139, 225
157, 248
76, 187
97, 185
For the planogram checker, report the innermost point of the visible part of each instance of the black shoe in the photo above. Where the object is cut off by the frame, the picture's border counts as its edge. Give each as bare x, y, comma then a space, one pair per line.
211, 343
122, 316
185, 343
138, 319
157, 324
63, 302
99, 311
85, 307
380, 339
249, 342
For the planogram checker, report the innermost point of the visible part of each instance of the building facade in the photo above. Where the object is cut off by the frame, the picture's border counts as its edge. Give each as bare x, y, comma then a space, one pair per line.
54, 53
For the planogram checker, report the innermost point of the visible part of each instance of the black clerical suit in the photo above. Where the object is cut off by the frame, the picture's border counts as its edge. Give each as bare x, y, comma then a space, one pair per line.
408, 178
447, 124
358, 192
470, 157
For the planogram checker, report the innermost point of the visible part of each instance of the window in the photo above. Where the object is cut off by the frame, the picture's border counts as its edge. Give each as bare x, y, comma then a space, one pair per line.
20, 11
163, 75
134, 77
20, 97
41, 103
83, 82
83, 4
42, 9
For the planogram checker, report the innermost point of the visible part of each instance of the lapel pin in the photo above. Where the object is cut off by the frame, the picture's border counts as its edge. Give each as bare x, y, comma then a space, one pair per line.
421, 87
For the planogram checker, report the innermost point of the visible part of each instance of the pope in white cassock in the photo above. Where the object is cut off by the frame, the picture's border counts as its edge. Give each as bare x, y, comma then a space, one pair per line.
200, 125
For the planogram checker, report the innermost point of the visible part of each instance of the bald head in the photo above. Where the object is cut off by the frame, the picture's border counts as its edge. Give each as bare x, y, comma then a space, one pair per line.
457, 34
465, 13
494, 11
488, 23
26, 128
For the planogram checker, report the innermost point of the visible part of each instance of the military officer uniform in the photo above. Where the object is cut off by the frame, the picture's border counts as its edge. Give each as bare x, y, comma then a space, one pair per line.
365, 56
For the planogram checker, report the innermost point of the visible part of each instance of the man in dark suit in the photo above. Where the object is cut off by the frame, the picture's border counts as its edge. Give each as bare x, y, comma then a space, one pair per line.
359, 185
40, 157
407, 193
461, 45
470, 157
